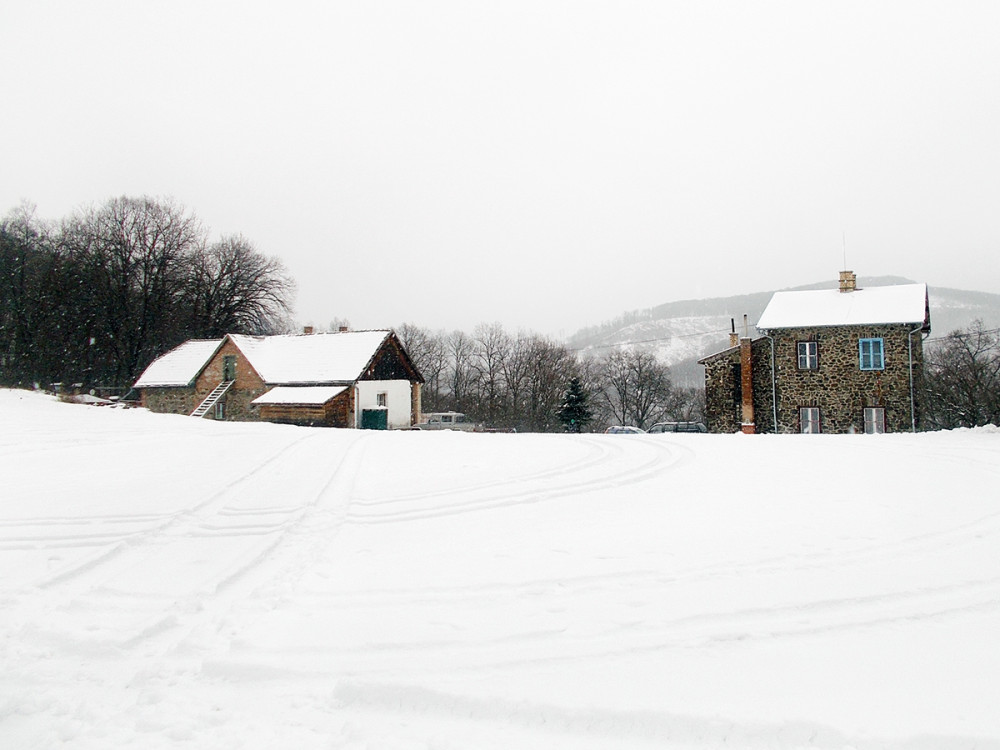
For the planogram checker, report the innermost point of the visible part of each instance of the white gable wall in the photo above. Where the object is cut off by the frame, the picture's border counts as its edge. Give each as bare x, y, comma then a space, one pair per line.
397, 399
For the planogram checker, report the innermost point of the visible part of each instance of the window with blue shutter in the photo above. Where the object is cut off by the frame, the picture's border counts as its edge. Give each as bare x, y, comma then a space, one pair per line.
871, 355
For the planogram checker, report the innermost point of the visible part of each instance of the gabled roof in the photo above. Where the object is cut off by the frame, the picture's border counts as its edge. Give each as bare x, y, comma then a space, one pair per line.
314, 359
180, 366
905, 303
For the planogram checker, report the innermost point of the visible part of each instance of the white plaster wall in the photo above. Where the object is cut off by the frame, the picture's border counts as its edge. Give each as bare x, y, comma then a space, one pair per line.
398, 399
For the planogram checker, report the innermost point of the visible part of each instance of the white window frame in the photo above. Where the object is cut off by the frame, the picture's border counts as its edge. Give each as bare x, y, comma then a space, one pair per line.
382, 398
809, 420
808, 355
874, 420
871, 354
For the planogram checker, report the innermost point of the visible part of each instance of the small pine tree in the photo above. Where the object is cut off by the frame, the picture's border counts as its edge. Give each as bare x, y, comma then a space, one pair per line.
573, 413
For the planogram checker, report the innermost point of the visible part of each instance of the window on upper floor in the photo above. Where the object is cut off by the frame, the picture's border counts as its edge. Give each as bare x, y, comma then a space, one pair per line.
808, 355
871, 354
809, 419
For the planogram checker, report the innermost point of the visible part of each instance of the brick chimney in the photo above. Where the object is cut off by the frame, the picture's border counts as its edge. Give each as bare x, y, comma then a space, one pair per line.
848, 281
343, 329
307, 330
734, 338
746, 386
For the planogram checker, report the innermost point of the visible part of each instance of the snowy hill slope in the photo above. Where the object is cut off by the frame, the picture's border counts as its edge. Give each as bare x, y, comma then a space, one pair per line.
682, 332
168, 582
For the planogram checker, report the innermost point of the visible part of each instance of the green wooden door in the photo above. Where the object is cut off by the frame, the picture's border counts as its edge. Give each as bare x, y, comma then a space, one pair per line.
374, 419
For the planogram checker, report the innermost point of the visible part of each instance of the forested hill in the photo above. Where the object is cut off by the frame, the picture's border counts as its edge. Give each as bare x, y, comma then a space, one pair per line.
682, 332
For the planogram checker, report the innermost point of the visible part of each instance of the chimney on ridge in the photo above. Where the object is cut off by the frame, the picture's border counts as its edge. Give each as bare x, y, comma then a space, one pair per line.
307, 330
848, 281
343, 329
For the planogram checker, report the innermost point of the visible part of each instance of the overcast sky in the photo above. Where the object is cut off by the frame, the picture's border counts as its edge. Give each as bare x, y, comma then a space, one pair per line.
547, 165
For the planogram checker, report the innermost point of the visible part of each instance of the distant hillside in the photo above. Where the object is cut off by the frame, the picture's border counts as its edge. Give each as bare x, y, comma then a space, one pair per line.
682, 332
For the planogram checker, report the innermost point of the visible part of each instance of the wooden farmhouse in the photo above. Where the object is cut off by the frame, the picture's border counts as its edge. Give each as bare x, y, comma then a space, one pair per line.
844, 360
345, 379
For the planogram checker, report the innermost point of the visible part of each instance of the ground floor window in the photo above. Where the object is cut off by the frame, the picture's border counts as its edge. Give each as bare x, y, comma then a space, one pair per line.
220, 409
874, 420
382, 399
809, 419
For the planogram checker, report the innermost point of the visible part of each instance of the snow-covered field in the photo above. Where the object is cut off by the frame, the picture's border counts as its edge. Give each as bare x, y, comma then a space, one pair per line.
168, 582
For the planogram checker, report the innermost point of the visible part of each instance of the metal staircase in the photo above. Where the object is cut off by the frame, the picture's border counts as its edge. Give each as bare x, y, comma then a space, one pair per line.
212, 398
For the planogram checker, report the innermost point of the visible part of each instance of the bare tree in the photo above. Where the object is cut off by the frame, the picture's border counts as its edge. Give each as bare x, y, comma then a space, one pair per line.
460, 349
133, 253
97, 297
962, 379
551, 366
429, 353
491, 348
234, 288
636, 388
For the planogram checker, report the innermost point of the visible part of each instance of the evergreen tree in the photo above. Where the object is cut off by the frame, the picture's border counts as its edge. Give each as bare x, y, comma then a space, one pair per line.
573, 412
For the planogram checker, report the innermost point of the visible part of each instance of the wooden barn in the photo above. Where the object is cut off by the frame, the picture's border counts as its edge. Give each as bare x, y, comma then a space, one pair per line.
344, 379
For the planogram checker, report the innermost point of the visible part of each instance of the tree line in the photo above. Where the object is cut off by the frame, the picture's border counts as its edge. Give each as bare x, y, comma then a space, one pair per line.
522, 380
95, 297
961, 385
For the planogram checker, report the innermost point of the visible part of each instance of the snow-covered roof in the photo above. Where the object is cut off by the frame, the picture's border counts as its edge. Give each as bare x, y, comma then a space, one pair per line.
180, 366
314, 358
301, 395
905, 303
284, 360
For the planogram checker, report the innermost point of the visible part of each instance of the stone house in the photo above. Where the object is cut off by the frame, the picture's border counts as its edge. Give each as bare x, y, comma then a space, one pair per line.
344, 379
838, 361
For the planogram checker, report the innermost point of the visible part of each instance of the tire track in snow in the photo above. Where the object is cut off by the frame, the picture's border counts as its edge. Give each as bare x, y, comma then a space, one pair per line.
507, 494
555, 644
265, 572
597, 454
535, 723
164, 525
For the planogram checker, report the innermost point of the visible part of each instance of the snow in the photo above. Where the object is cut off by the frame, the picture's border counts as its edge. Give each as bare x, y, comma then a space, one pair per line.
315, 358
180, 366
903, 303
293, 359
167, 582
303, 394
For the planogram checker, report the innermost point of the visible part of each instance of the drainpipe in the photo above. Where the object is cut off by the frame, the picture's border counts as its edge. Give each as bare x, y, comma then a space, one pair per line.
913, 405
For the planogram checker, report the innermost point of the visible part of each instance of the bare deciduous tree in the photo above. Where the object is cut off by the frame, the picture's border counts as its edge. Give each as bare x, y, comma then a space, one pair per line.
962, 379
636, 388
235, 288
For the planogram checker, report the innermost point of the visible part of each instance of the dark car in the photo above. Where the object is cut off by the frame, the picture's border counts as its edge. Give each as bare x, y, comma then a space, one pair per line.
678, 427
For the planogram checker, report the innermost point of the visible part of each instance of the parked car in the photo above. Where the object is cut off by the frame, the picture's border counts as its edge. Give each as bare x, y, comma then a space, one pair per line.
446, 420
678, 427
622, 429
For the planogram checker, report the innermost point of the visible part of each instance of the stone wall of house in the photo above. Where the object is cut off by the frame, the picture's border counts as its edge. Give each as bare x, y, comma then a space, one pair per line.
247, 387
724, 394
170, 400
839, 387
